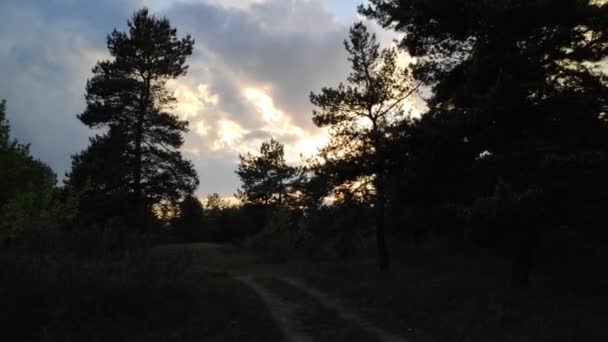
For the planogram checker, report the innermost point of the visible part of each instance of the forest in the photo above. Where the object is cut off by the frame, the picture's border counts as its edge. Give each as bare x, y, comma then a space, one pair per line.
482, 218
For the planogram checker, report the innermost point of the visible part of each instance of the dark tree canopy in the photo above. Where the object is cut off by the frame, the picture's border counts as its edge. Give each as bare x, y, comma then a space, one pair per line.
517, 87
137, 155
361, 115
189, 220
265, 178
519, 103
4, 127
19, 171
506, 62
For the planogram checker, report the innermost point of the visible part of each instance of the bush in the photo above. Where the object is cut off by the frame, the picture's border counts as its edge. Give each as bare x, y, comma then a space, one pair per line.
45, 208
276, 242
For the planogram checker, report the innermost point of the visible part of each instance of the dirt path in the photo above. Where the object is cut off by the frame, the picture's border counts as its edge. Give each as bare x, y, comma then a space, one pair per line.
345, 313
282, 312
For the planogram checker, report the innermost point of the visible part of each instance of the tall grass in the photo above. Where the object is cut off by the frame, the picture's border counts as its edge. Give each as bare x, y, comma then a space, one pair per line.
66, 286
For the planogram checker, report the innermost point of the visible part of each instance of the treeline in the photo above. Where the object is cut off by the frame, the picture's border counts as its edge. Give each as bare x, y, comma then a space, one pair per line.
511, 150
30, 199
510, 154
76, 261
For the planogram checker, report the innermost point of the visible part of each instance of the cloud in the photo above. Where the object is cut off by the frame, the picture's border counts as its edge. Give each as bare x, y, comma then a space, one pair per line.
192, 102
44, 60
254, 64
261, 61
165, 4
266, 47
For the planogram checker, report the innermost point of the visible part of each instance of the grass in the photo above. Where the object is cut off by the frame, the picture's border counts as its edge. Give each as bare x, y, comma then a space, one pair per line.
465, 298
164, 295
430, 296
187, 293
229, 260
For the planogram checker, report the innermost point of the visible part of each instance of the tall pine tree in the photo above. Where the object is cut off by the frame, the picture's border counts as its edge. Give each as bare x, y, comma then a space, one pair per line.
136, 159
518, 91
360, 115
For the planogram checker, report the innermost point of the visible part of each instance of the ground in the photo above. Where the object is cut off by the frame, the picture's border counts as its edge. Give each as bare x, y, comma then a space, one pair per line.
426, 297
227, 294
301, 312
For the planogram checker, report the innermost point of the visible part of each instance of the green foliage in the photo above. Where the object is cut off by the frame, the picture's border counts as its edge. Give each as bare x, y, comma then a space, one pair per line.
46, 209
265, 179
20, 172
138, 156
29, 198
215, 203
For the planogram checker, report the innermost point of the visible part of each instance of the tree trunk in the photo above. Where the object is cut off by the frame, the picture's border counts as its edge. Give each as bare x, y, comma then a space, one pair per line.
524, 258
137, 177
138, 165
383, 257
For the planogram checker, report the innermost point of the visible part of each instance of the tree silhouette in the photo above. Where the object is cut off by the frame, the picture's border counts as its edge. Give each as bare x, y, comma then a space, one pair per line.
360, 115
20, 172
517, 91
137, 156
216, 203
4, 127
265, 179
189, 222
29, 197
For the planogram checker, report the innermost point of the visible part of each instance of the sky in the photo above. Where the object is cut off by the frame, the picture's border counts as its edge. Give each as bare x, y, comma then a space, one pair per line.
254, 64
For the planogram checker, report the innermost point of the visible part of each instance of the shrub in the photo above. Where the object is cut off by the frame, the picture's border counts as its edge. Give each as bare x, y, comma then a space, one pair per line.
37, 210
276, 242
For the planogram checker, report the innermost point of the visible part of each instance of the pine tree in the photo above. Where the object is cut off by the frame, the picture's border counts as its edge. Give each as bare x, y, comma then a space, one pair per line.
361, 114
137, 157
189, 222
519, 93
266, 179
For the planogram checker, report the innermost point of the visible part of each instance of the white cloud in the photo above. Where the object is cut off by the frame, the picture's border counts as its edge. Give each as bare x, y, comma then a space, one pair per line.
192, 103
201, 128
165, 4
230, 136
279, 125
193, 151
